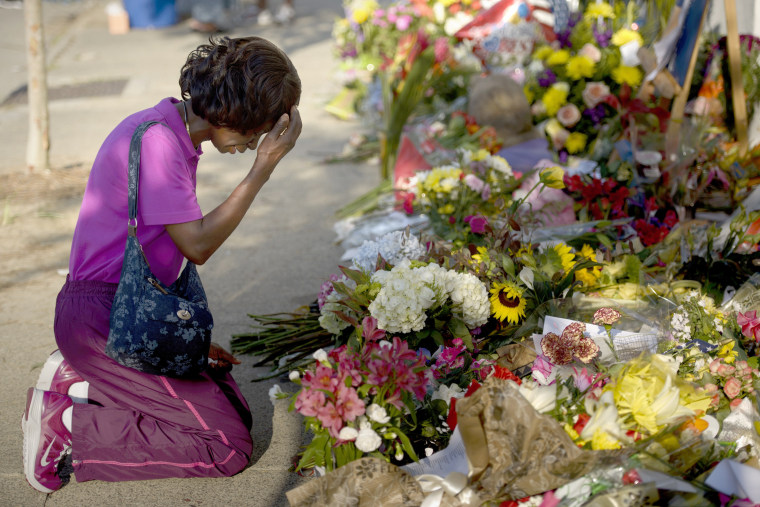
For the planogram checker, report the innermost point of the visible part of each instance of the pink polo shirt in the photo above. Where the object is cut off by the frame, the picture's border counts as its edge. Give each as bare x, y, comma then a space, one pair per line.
166, 196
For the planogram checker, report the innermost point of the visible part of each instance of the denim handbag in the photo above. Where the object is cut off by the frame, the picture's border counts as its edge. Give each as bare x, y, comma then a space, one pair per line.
153, 328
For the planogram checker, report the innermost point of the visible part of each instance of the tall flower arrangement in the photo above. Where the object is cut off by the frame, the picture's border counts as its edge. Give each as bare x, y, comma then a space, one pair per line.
571, 78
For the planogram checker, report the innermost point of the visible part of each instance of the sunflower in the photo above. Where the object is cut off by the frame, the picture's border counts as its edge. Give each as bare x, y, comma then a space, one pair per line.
507, 302
566, 256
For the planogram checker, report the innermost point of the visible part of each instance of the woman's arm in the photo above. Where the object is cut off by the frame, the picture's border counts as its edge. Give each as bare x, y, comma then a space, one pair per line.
199, 239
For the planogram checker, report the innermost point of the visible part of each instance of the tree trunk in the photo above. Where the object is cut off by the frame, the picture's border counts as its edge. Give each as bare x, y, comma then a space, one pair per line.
38, 144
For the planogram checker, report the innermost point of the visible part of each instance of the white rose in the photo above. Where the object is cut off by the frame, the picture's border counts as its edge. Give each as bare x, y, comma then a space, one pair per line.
348, 434
294, 375
594, 93
320, 356
378, 414
368, 440
591, 52
568, 115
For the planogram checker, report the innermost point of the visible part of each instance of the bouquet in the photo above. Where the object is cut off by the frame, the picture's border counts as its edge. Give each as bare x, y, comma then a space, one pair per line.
571, 79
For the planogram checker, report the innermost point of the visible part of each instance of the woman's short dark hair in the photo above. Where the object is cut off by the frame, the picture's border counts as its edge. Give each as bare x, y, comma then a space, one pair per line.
241, 83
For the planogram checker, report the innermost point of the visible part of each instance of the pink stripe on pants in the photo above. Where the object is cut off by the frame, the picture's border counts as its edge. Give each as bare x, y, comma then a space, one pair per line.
140, 426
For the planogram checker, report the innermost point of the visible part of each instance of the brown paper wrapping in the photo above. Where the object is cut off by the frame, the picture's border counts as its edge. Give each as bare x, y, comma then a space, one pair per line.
368, 482
516, 355
513, 451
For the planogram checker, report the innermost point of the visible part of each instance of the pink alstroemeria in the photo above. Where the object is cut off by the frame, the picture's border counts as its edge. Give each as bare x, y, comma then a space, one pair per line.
542, 370
309, 401
324, 378
348, 403
583, 379
370, 331
441, 49
330, 418
750, 324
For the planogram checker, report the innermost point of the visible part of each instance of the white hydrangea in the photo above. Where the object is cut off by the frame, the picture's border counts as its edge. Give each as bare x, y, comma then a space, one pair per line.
393, 247
470, 298
407, 293
401, 303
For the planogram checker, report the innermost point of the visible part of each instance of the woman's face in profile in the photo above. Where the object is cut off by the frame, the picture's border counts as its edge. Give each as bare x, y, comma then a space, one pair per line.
231, 141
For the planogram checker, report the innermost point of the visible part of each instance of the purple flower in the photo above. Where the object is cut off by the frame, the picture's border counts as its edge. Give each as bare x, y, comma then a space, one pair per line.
477, 223
547, 79
602, 37
563, 156
574, 19
563, 38
596, 113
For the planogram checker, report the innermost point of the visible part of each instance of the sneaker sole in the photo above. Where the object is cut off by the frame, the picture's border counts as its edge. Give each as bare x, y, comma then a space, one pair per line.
48, 371
77, 391
31, 425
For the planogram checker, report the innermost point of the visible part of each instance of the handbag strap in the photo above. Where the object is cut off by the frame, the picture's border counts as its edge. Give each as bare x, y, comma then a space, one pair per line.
134, 173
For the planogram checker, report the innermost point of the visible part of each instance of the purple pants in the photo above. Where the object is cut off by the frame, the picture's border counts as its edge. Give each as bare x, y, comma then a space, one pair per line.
141, 426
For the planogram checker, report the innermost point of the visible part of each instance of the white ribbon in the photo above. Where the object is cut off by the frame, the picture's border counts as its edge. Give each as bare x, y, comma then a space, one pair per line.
454, 484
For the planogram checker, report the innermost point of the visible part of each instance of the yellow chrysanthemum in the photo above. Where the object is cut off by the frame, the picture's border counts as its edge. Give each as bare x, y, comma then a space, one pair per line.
589, 276
543, 52
446, 209
441, 180
566, 256
576, 142
579, 67
626, 35
626, 74
481, 154
361, 14
558, 57
507, 302
571, 432
599, 10
554, 98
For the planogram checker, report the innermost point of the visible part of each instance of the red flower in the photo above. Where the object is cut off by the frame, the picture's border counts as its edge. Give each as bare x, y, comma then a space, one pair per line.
505, 374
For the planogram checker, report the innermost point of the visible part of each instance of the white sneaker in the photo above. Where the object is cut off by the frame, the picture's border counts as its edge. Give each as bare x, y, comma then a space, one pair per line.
285, 15
265, 18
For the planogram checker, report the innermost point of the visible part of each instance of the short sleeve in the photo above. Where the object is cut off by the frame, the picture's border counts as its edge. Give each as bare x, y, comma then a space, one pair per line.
167, 181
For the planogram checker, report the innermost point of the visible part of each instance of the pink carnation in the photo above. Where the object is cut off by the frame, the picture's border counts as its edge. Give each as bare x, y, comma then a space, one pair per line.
732, 388
606, 316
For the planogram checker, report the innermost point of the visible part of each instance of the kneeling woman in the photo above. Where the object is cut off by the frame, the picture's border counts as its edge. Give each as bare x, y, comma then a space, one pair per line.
131, 425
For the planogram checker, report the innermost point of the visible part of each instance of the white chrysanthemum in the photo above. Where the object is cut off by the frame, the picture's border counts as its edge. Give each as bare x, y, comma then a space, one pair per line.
470, 298
500, 164
367, 440
393, 247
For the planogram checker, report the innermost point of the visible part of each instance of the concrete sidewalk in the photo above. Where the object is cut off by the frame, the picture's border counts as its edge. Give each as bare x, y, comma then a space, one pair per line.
274, 262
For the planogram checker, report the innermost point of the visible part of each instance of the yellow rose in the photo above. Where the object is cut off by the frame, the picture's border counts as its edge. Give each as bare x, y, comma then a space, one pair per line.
626, 35
552, 177
626, 74
579, 67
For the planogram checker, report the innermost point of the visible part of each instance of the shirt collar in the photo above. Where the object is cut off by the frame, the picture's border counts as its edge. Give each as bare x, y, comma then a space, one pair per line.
177, 123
